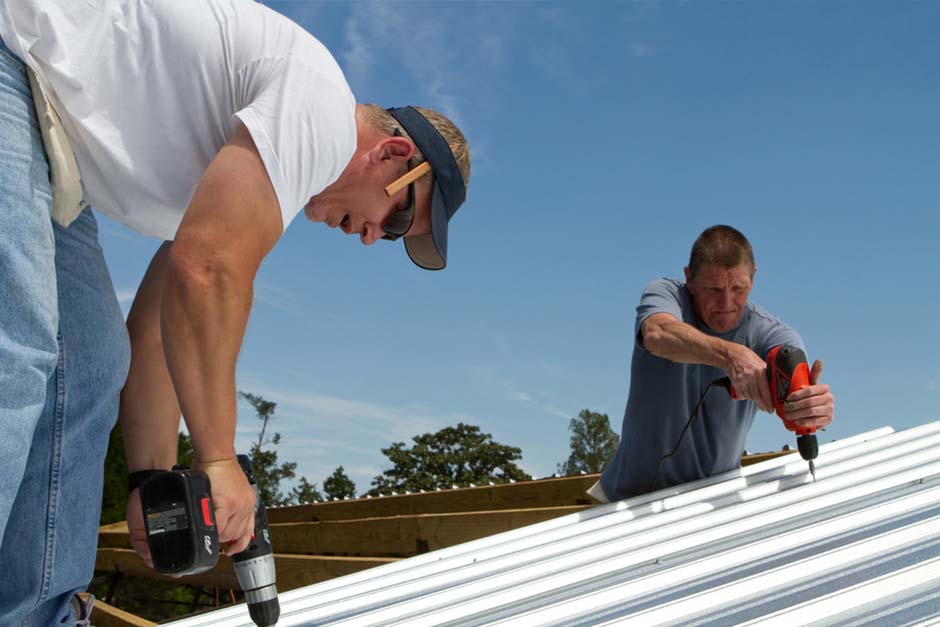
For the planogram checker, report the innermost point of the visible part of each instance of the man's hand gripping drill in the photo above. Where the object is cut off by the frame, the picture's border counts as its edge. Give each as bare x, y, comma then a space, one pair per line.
801, 402
180, 535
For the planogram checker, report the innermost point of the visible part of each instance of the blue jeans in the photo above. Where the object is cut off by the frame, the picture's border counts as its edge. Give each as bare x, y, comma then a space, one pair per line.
64, 355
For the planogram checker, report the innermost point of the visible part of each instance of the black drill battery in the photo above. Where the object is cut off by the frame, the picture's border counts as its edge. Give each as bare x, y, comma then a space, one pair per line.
180, 523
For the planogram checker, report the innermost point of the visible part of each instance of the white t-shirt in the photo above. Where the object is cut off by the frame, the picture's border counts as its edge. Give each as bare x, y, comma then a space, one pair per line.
149, 90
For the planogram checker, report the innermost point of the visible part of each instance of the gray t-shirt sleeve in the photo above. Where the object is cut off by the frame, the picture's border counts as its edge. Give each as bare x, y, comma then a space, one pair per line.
660, 296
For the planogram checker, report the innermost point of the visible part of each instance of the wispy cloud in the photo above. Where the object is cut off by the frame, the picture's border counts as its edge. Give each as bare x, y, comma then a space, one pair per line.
116, 230
286, 301
301, 11
359, 57
639, 11
492, 49
933, 385
126, 296
520, 396
641, 50
321, 432
317, 458
506, 387
380, 30
376, 421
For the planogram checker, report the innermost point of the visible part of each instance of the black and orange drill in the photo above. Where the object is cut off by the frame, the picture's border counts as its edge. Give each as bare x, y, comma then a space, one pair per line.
787, 372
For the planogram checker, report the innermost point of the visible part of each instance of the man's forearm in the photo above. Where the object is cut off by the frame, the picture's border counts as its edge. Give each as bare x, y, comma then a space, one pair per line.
681, 342
664, 336
149, 414
204, 314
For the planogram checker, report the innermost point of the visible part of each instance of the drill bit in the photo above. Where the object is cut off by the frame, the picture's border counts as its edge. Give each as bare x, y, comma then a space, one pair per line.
809, 450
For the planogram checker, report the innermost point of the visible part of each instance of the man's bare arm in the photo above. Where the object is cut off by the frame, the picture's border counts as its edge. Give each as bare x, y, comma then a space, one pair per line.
149, 412
232, 222
667, 337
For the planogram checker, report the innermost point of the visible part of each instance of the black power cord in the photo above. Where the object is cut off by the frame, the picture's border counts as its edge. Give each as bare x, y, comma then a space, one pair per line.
724, 382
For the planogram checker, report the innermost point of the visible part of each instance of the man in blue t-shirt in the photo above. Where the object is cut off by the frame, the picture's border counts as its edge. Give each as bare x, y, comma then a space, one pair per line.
687, 336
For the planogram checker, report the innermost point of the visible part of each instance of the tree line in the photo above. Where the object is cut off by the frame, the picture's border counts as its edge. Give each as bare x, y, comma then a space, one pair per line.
456, 456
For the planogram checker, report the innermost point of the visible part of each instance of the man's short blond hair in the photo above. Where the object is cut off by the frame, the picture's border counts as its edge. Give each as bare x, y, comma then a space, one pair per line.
382, 120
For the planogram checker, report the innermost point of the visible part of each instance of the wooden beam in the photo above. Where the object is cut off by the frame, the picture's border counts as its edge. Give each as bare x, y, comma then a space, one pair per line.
554, 492
747, 460
104, 615
114, 526
293, 571
405, 535
113, 536
389, 536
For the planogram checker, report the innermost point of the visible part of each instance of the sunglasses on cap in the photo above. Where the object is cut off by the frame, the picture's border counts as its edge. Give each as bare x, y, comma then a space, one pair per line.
400, 222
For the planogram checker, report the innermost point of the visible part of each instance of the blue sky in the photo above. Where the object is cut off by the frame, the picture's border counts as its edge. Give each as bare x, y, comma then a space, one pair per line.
605, 137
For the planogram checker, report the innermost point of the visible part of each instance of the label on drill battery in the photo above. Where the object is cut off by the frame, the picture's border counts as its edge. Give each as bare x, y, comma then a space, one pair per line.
170, 517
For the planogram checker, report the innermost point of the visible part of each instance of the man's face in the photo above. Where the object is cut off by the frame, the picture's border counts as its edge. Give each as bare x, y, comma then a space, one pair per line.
363, 209
719, 294
357, 203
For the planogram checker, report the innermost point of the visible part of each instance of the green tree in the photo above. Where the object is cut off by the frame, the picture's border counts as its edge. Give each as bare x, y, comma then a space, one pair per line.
458, 456
268, 473
305, 492
338, 485
185, 451
593, 443
264, 409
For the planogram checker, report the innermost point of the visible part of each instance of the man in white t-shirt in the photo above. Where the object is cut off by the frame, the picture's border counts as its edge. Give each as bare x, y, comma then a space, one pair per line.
209, 125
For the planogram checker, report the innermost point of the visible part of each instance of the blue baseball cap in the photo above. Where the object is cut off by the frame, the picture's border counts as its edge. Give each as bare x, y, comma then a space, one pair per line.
448, 190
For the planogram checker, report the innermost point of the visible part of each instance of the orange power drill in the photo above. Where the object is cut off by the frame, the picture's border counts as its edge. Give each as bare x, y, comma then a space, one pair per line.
787, 372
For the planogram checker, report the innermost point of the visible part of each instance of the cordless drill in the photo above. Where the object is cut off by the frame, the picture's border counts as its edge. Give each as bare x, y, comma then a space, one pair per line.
787, 372
183, 538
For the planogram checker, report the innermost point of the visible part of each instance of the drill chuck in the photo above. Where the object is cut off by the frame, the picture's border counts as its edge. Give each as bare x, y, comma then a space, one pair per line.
254, 567
264, 613
809, 447
256, 576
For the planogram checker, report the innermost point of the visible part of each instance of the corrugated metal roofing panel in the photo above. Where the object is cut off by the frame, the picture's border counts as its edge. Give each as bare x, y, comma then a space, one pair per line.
762, 545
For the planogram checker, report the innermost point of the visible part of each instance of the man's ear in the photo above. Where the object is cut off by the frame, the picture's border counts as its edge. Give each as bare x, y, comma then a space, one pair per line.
688, 275
397, 148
